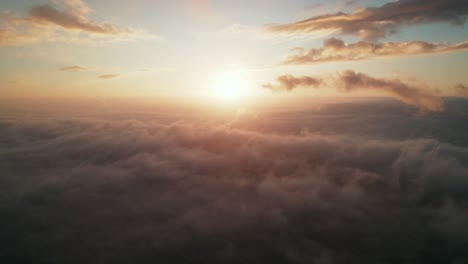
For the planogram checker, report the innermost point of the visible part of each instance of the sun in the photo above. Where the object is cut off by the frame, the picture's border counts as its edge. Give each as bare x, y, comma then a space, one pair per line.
229, 87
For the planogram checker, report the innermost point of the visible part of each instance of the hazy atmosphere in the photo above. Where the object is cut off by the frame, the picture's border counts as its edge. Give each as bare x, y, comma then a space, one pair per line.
211, 131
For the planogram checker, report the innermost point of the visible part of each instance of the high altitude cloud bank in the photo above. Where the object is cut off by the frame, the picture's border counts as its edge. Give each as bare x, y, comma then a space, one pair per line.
350, 81
379, 22
107, 191
335, 49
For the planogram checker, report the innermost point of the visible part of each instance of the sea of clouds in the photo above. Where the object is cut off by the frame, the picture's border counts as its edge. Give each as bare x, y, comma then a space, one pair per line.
343, 182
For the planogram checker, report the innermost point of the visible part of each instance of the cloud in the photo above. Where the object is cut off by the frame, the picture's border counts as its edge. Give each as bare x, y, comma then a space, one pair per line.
289, 82
78, 7
16, 31
337, 50
73, 68
350, 81
59, 22
108, 76
407, 93
145, 191
46, 14
378, 22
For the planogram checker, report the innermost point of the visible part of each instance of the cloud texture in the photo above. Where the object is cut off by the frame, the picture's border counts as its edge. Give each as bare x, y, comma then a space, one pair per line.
108, 76
349, 81
378, 22
337, 50
107, 191
46, 14
45, 23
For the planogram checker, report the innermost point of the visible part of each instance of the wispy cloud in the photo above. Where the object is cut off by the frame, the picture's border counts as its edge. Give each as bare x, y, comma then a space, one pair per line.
408, 93
337, 50
378, 22
108, 76
73, 68
52, 22
46, 14
289, 82
350, 81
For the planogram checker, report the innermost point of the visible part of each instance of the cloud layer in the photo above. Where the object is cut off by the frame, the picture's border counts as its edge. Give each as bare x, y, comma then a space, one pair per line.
337, 50
350, 81
101, 190
378, 22
46, 14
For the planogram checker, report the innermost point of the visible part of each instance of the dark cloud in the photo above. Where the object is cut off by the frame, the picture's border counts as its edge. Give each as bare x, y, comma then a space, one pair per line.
139, 191
378, 22
337, 50
73, 68
108, 76
349, 81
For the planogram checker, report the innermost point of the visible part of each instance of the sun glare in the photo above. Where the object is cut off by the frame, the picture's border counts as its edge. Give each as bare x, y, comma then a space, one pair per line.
229, 87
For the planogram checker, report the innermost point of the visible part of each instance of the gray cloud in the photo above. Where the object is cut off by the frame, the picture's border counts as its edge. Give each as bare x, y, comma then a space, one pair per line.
349, 81
103, 190
378, 22
337, 50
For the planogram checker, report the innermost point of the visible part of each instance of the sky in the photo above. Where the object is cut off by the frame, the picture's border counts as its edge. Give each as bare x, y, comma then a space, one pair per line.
203, 131
198, 47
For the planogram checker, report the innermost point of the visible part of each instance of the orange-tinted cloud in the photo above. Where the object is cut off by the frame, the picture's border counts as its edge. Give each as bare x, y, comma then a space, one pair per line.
73, 68
46, 14
108, 76
337, 50
349, 81
378, 22
53, 22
